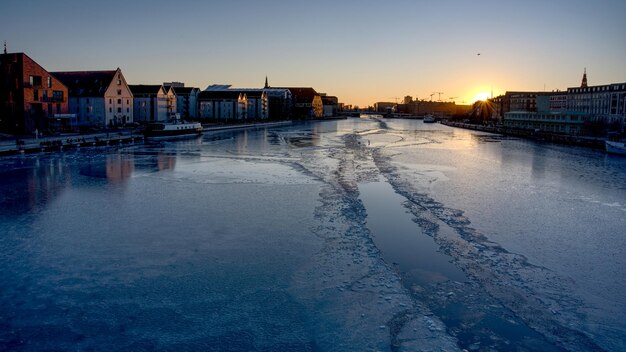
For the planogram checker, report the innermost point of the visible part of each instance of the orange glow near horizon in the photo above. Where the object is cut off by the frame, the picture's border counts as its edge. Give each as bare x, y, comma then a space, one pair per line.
481, 96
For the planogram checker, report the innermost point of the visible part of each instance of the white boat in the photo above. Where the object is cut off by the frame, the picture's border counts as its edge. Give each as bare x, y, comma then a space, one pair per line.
429, 119
172, 129
615, 147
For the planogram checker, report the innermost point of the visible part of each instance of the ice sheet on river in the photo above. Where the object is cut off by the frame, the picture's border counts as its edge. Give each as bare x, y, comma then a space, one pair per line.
554, 266
258, 240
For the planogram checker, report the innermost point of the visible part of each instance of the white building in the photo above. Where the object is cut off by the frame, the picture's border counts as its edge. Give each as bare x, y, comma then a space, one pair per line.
222, 102
98, 98
579, 110
150, 103
606, 102
557, 122
170, 95
186, 99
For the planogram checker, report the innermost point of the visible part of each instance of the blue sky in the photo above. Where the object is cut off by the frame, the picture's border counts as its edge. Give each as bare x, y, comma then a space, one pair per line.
362, 51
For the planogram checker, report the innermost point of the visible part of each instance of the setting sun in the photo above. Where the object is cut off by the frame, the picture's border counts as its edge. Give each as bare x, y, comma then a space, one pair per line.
482, 96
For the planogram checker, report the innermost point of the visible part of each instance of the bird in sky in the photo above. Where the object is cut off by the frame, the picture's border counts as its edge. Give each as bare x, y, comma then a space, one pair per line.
478, 54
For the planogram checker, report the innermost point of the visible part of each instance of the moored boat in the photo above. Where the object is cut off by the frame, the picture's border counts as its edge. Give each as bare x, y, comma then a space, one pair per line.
429, 119
614, 147
172, 129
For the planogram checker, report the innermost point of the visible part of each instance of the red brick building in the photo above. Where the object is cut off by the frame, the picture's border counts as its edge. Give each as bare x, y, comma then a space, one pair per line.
31, 98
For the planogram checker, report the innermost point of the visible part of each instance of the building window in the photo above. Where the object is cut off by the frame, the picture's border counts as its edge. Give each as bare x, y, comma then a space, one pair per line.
35, 81
110, 101
127, 102
119, 101
49, 82
119, 82
57, 95
110, 109
119, 109
35, 95
119, 92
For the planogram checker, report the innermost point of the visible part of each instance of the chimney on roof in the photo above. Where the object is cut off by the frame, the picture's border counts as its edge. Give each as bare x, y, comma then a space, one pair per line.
584, 82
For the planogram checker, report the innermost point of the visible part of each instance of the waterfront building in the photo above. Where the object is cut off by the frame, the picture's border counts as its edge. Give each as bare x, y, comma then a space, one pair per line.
303, 102
513, 101
584, 109
222, 102
170, 94
437, 108
572, 123
604, 102
150, 103
522, 101
540, 111
500, 105
279, 103
186, 99
98, 98
384, 107
32, 98
330, 105
551, 102
306, 103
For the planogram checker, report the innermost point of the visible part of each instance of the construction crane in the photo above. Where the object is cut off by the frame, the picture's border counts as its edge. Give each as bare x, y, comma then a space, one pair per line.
452, 98
431, 96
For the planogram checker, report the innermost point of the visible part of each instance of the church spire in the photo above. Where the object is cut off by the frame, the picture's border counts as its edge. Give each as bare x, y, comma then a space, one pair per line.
584, 83
266, 84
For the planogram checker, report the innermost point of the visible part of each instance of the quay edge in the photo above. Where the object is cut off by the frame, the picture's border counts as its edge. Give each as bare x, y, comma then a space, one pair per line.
589, 142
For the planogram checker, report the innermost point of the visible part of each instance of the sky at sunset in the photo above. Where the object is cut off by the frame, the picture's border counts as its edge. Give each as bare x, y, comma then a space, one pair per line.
362, 51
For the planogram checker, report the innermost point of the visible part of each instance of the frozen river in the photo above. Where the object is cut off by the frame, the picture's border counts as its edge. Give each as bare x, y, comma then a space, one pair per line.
348, 235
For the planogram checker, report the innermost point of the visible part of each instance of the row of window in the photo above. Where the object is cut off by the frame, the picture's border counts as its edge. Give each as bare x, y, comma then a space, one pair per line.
119, 109
598, 88
545, 127
542, 117
119, 101
57, 95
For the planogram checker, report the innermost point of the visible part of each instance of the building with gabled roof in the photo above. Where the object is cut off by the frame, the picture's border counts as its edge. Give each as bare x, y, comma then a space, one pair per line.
186, 99
99, 98
149, 102
330, 104
306, 102
221, 102
31, 98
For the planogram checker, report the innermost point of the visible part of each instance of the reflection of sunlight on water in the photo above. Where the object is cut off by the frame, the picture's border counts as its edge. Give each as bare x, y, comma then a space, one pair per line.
456, 141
